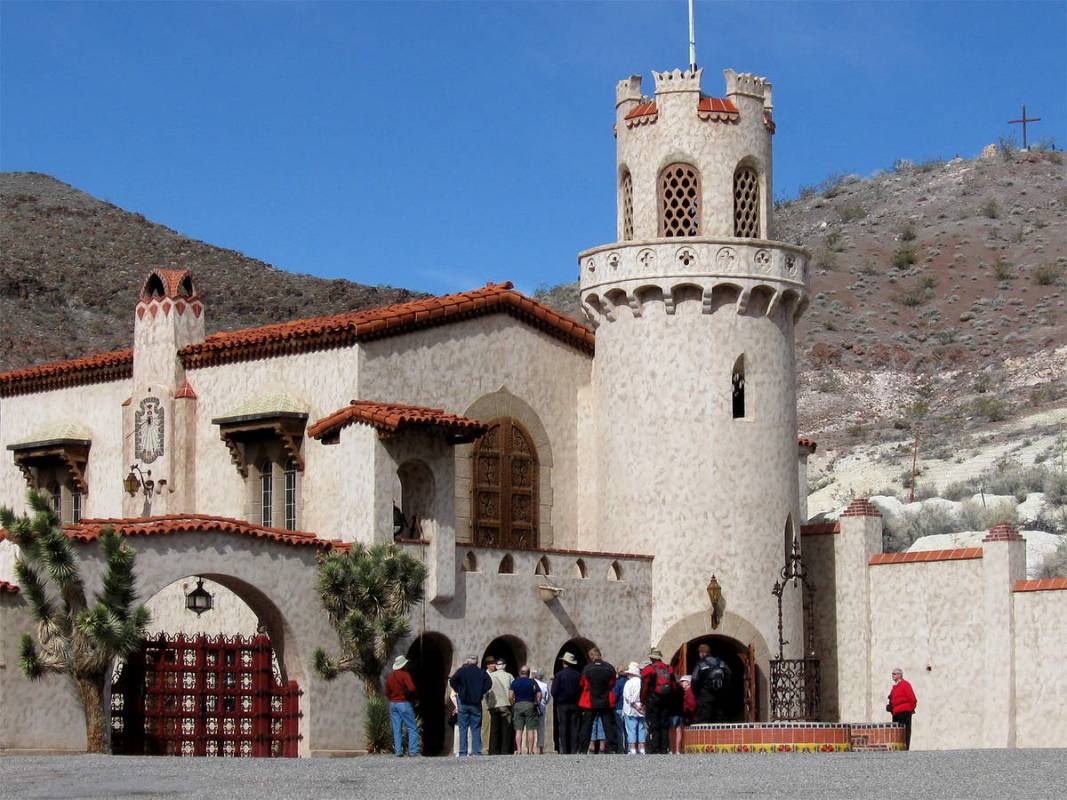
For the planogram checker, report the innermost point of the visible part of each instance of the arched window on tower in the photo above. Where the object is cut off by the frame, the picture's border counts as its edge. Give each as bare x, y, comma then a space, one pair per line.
737, 386
290, 495
505, 486
626, 191
679, 200
746, 202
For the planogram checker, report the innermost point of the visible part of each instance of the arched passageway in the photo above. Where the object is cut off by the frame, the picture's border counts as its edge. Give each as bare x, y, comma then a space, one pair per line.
510, 648
736, 701
430, 664
579, 648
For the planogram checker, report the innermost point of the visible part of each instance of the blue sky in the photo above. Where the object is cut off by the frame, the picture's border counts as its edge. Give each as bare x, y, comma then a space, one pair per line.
441, 145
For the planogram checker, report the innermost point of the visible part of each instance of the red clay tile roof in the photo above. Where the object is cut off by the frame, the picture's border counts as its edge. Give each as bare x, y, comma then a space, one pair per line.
100, 368
171, 280
959, 554
717, 105
1003, 533
89, 529
642, 114
185, 392
809, 443
340, 330
1041, 585
392, 416
8, 588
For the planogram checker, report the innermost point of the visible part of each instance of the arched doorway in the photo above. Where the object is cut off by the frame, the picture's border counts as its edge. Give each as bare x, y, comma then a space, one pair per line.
505, 500
737, 701
206, 684
510, 648
577, 647
430, 664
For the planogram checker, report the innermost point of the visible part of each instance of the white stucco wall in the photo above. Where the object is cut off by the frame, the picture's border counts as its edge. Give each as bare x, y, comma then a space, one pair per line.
1040, 673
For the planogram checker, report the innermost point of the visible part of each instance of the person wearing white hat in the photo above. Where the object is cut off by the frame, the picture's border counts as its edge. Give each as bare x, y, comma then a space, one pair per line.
400, 692
565, 692
633, 710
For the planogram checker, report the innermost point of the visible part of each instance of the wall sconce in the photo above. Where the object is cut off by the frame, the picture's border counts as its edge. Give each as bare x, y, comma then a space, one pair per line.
199, 599
549, 593
138, 480
715, 596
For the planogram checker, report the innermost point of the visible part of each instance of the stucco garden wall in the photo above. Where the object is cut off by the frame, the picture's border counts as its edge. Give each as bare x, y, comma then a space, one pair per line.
1040, 674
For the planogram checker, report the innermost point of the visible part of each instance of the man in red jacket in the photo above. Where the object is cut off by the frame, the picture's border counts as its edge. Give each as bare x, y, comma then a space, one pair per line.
902, 704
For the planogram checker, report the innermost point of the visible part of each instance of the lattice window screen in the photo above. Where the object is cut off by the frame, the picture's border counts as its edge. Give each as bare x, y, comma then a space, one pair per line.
679, 186
746, 203
627, 207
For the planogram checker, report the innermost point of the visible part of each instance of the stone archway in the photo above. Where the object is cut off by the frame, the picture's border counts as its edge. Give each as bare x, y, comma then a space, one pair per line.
430, 664
737, 700
732, 627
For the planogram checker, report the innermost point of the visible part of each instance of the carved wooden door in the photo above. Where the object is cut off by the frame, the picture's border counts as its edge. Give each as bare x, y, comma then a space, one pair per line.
505, 486
751, 701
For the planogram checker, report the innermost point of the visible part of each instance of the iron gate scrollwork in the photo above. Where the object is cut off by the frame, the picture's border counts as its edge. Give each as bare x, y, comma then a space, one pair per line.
795, 681
204, 696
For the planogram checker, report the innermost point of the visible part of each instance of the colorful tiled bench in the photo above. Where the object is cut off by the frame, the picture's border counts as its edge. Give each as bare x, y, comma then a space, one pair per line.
793, 737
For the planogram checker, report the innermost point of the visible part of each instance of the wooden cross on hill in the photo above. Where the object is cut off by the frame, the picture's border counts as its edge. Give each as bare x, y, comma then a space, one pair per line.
1024, 120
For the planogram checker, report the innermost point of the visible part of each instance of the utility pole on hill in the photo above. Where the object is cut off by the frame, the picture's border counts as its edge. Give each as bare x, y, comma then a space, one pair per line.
914, 465
1023, 120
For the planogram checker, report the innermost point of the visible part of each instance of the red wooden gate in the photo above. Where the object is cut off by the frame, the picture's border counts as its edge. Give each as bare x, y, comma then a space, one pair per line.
204, 696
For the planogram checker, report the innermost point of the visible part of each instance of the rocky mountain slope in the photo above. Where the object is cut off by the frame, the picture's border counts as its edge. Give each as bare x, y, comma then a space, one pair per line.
71, 267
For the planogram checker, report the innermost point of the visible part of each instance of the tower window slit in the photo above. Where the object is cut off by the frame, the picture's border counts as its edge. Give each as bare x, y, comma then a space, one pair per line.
737, 383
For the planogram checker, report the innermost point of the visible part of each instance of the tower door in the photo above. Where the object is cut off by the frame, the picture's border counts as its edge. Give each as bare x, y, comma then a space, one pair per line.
505, 486
751, 703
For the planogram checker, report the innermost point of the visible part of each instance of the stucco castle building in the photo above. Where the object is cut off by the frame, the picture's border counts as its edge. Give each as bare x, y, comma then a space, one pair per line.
638, 481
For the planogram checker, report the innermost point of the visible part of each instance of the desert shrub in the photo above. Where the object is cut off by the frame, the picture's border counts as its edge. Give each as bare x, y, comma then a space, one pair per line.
924, 491
991, 408
377, 728
978, 516
831, 185
1003, 270
901, 530
930, 164
907, 232
834, 241
851, 213
1046, 274
928, 281
1007, 147
1054, 486
904, 257
1055, 565
914, 295
1012, 478
829, 383
990, 209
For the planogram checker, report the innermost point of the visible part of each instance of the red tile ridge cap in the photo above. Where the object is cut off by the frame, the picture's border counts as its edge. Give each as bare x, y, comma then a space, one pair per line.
347, 328
185, 392
171, 279
820, 529
1041, 585
924, 556
1003, 532
100, 367
811, 444
9, 588
391, 416
861, 507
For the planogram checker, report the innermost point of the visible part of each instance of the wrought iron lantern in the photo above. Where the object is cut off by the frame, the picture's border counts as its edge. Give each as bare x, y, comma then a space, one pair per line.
715, 596
138, 480
199, 599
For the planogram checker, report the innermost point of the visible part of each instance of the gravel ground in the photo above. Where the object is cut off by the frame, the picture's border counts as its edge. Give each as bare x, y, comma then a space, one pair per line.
968, 774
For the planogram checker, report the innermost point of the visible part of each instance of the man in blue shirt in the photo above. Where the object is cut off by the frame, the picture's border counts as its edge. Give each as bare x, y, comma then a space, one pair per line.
525, 696
565, 692
470, 684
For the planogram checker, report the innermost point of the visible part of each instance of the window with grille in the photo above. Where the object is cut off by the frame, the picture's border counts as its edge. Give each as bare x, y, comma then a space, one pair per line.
737, 383
505, 486
746, 203
76, 507
290, 496
627, 190
266, 493
679, 194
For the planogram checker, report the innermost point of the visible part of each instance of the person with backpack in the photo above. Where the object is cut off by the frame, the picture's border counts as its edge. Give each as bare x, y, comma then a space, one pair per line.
658, 687
597, 700
710, 677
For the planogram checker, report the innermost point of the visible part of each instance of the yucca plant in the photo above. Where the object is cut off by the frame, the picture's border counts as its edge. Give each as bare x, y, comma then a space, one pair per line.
367, 593
73, 637
377, 727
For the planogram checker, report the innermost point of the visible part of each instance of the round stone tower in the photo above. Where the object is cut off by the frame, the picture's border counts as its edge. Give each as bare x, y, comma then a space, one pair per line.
693, 388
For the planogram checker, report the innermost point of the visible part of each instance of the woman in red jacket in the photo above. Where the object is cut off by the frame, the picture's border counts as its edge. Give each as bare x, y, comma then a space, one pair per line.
902, 704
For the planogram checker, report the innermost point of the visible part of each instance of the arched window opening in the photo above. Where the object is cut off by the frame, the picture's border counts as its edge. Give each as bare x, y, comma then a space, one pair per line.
737, 383
746, 202
580, 571
505, 486
507, 565
615, 571
154, 287
76, 507
626, 190
414, 494
790, 538
543, 567
679, 197
470, 562
266, 493
290, 495
56, 500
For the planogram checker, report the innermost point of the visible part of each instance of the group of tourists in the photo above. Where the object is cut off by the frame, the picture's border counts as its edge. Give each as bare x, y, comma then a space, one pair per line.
637, 710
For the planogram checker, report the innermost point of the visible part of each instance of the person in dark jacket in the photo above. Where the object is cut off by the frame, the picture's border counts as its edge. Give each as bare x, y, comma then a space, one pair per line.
597, 700
566, 691
658, 687
710, 677
471, 684
902, 704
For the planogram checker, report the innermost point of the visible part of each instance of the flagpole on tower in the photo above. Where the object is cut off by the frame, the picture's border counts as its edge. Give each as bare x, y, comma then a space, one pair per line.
692, 40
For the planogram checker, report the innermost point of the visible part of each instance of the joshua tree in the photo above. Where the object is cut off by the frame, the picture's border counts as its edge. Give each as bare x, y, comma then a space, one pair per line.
73, 637
367, 593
